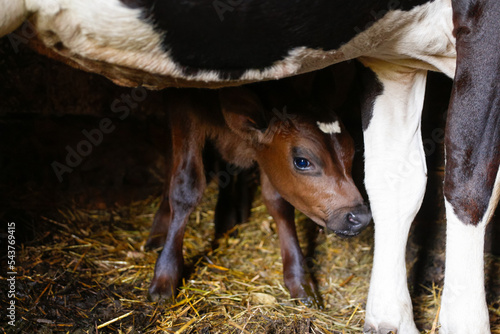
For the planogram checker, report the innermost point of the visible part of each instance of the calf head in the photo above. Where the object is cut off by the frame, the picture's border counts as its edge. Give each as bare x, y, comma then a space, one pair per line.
305, 151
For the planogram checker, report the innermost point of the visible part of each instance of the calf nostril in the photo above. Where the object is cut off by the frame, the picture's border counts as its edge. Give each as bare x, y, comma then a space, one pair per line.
359, 218
351, 217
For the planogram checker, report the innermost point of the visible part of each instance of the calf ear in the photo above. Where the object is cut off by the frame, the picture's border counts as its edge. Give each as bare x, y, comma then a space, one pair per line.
244, 113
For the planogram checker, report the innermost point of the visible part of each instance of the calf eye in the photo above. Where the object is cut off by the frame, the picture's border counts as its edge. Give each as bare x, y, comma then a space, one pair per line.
301, 163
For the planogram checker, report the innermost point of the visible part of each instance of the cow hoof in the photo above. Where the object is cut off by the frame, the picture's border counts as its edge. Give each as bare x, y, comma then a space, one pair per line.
382, 329
386, 328
392, 313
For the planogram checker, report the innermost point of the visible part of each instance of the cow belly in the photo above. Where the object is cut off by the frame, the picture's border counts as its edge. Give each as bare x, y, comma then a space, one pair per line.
114, 40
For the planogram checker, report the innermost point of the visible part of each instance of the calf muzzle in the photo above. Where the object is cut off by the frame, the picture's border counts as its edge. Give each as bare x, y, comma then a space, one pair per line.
351, 221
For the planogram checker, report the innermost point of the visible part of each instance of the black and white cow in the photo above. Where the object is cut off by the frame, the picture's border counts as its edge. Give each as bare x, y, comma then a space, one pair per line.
215, 43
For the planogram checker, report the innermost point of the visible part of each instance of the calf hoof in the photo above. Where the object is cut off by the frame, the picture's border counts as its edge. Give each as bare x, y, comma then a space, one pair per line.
383, 329
162, 289
313, 299
307, 295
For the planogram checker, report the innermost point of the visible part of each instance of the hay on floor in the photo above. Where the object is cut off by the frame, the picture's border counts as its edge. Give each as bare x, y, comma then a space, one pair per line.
87, 272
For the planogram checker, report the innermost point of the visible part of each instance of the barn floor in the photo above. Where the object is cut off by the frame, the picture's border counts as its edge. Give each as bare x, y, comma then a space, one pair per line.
80, 256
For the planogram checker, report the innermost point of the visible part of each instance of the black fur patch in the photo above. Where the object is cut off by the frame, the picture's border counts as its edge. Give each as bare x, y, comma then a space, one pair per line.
372, 87
473, 126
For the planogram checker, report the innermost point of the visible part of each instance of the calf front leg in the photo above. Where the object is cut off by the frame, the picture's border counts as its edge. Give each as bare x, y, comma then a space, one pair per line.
187, 183
395, 182
295, 272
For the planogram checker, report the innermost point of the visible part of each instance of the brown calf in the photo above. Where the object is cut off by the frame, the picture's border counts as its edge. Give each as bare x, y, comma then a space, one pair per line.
304, 155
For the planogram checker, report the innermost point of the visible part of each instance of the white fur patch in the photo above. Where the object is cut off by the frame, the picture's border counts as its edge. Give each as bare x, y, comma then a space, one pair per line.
463, 305
329, 128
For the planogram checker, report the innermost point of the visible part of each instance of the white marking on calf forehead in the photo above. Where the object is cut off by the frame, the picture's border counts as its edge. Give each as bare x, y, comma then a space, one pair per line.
330, 128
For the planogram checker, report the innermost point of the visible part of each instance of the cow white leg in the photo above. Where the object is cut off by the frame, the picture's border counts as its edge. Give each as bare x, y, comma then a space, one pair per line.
463, 305
395, 181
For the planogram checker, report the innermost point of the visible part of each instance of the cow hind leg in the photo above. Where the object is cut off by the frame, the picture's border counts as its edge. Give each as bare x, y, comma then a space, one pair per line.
395, 182
472, 181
